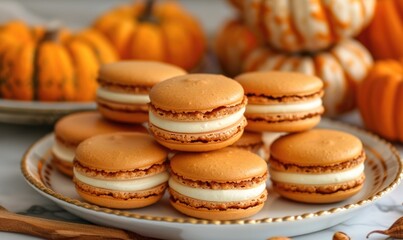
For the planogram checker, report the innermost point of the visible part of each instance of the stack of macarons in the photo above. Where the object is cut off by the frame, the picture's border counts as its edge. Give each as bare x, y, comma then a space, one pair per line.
305, 165
200, 116
217, 171
122, 107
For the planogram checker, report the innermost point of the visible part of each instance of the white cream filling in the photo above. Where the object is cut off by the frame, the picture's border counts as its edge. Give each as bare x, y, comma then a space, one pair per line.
196, 126
122, 97
315, 179
131, 185
284, 107
62, 152
214, 195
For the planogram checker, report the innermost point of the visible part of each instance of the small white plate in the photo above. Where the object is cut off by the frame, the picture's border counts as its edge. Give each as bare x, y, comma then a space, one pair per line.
30, 112
279, 216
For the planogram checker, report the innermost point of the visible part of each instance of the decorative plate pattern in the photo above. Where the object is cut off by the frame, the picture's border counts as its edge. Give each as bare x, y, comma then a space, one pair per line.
278, 217
25, 112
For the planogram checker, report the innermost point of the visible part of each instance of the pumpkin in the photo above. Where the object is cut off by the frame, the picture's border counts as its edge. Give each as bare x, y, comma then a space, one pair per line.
50, 65
384, 36
159, 32
307, 25
341, 68
234, 42
380, 98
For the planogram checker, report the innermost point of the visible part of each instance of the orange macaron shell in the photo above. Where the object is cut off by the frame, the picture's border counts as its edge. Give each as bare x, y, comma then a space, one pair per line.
318, 197
124, 87
123, 113
109, 168
280, 83
64, 167
75, 128
317, 166
139, 72
197, 112
196, 92
105, 152
92, 195
230, 169
290, 126
308, 148
215, 214
282, 101
251, 141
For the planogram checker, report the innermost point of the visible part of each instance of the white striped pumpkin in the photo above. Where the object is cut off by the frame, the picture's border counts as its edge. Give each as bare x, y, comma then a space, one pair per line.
341, 68
307, 25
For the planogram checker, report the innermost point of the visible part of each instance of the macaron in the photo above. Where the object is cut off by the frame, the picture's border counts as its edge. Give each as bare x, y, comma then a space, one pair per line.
317, 166
124, 86
121, 170
74, 128
282, 101
197, 112
250, 141
225, 184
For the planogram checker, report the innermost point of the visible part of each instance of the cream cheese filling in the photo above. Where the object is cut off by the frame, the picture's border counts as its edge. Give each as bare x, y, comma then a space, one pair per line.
196, 126
315, 179
131, 185
284, 107
216, 195
122, 97
62, 152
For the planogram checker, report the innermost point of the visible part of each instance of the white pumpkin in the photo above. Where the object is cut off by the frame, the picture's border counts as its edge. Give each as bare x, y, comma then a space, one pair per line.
341, 68
307, 25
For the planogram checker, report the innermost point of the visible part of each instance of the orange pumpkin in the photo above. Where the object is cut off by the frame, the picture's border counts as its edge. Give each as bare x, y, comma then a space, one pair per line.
161, 32
37, 64
298, 25
380, 99
384, 36
234, 42
341, 68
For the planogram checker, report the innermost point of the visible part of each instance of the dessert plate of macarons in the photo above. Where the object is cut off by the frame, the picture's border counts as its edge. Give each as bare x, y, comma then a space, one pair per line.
30, 112
279, 215
188, 175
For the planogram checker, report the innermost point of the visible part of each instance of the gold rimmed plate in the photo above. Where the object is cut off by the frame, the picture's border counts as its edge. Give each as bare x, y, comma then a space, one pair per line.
279, 216
31, 112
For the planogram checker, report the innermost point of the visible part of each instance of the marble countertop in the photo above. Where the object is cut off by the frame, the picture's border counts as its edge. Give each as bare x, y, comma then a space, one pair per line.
17, 196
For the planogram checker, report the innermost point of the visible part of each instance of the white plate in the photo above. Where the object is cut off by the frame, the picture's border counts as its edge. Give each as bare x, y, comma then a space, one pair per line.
26, 112
383, 169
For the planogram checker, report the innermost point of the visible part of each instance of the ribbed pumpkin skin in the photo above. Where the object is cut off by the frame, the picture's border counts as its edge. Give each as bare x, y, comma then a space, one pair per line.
341, 68
234, 42
307, 25
171, 35
380, 99
384, 36
36, 64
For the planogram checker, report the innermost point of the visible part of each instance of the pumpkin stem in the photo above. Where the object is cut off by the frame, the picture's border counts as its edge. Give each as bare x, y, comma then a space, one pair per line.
52, 30
147, 15
50, 35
